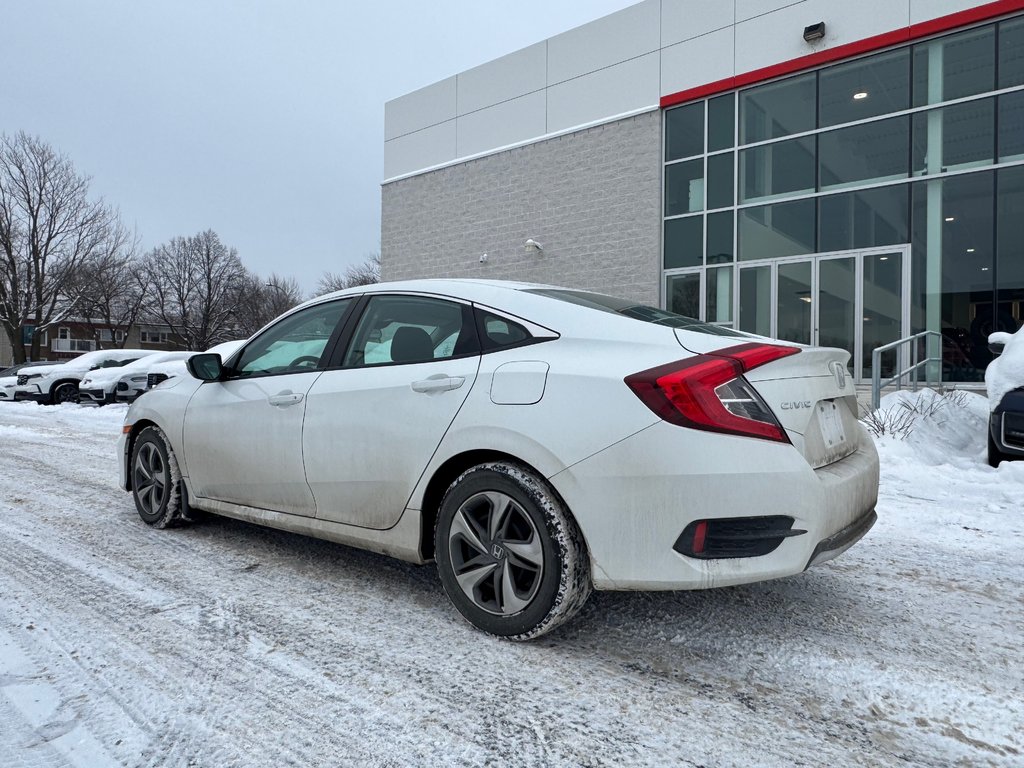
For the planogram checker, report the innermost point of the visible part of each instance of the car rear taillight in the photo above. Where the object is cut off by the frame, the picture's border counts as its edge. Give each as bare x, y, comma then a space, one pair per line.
709, 392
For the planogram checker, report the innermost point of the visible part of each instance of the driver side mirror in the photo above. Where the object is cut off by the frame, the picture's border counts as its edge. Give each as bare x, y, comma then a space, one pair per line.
206, 366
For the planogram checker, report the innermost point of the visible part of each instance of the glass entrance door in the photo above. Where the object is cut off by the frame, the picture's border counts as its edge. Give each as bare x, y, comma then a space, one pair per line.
854, 301
885, 305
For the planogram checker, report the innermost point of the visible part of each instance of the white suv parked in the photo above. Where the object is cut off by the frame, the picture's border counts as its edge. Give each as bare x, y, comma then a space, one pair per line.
59, 383
9, 377
100, 386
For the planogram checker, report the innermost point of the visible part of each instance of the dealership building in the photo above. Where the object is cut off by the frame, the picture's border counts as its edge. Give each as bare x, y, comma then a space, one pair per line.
821, 171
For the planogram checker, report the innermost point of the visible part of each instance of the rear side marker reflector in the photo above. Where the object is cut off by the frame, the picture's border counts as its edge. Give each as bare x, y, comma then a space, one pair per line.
699, 536
709, 392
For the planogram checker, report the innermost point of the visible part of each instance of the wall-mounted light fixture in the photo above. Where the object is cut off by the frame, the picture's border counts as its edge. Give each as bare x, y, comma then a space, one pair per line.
483, 259
532, 246
814, 32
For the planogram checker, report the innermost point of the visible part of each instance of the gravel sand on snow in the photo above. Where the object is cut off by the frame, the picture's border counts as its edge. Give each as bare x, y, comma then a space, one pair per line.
229, 645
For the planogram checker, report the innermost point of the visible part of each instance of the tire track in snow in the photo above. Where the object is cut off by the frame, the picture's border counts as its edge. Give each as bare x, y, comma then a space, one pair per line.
234, 645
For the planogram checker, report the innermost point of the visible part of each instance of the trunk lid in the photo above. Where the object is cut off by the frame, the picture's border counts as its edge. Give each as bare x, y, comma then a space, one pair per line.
812, 394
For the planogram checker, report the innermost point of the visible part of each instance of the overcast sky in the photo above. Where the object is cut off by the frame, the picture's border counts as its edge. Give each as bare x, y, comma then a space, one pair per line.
261, 120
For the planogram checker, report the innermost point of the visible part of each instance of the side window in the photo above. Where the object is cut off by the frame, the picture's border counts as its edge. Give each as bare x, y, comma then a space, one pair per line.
498, 332
411, 329
294, 344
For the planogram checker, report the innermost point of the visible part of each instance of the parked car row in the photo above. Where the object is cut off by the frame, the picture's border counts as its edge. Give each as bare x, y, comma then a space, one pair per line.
101, 377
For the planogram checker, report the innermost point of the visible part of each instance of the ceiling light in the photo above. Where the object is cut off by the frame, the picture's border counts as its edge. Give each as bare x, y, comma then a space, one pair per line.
884, 258
860, 95
806, 298
984, 269
970, 250
951, 218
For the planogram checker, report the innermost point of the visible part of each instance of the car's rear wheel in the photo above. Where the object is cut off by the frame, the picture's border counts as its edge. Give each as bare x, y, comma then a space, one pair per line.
156, 480
509, 555
66, 392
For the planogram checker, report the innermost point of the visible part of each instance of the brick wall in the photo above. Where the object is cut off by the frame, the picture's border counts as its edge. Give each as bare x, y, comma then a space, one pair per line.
591, 198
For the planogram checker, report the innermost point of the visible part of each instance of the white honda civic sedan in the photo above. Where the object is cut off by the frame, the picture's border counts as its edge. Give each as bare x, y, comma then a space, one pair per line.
535, 442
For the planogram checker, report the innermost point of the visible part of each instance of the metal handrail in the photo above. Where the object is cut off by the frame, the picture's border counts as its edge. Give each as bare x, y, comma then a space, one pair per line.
876, 359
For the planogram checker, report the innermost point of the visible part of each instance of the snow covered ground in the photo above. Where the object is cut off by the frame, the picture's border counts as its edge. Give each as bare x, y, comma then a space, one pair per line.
229, 645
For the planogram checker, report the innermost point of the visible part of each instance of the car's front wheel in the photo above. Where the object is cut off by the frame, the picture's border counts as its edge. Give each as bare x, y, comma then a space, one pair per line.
65, 393
156, 480
510, 556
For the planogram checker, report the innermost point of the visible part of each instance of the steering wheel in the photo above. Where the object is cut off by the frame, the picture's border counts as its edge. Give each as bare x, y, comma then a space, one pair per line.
303, 360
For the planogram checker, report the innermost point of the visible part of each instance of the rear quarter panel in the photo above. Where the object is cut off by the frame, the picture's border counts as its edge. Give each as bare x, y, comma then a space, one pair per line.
586, 406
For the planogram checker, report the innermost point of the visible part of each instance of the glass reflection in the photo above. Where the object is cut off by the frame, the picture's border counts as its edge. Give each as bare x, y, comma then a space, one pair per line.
795, 302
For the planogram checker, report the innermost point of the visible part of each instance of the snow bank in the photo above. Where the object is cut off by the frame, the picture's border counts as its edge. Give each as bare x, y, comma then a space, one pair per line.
948, 428
25, 418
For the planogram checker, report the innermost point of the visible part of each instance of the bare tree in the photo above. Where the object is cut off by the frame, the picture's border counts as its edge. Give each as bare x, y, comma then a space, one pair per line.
111, 285
263, 300
197, 285
366, 272
48, 226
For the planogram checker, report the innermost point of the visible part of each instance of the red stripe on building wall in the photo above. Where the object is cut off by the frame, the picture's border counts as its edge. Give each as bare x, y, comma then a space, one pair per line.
857, 48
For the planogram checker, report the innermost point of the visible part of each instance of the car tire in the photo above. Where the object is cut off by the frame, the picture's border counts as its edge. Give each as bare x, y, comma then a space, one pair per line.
157, 488
65, 392
510, 556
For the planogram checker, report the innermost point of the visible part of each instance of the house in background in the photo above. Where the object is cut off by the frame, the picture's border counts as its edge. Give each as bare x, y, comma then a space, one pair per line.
70, 338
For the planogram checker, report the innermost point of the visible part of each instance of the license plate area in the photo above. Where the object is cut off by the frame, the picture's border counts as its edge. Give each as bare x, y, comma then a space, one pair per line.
830, 422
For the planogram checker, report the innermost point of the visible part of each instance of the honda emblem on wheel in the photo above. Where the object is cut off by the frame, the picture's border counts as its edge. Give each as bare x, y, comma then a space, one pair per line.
497, 551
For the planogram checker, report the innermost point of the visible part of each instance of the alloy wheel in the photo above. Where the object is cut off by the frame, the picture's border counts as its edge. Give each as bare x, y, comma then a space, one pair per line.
496, 553
150, 479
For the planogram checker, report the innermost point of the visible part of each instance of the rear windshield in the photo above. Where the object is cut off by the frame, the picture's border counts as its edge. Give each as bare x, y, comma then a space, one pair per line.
636, 311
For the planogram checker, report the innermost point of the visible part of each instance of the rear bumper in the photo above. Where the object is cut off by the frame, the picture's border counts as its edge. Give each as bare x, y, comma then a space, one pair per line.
634, 499
838, 543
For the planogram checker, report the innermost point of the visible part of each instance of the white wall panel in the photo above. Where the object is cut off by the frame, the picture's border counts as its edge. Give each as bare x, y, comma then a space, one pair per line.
420, 109
778, 36
925, 10
506, 78
419, 150
507, 123
748, 9
613, 91
699, 61
686, 19
624, 35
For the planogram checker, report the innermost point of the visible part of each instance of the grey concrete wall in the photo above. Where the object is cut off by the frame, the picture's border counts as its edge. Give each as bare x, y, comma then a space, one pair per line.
591, 198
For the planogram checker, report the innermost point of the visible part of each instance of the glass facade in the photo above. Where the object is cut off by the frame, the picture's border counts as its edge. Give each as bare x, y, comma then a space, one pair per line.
858, 203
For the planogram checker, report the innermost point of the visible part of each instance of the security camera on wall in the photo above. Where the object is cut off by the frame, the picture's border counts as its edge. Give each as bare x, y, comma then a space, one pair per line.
533, 246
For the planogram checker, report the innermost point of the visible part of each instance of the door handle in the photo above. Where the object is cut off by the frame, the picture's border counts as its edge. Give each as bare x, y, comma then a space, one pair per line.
284, 399
438, 383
